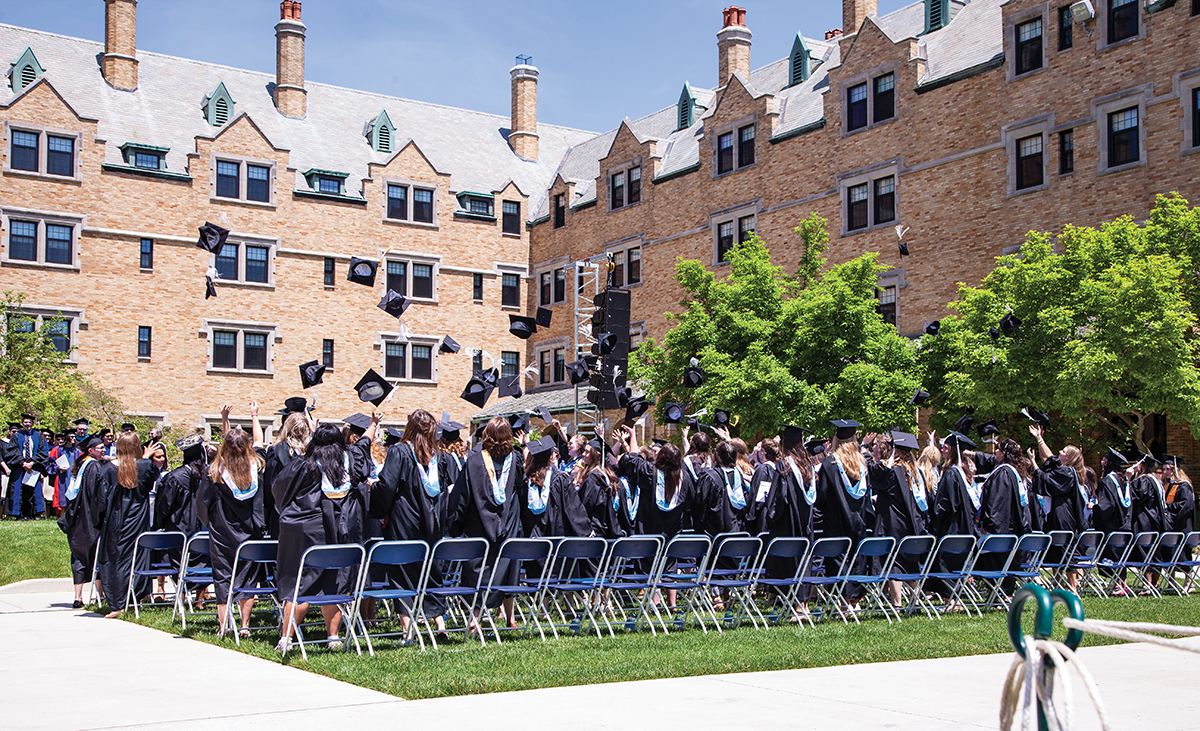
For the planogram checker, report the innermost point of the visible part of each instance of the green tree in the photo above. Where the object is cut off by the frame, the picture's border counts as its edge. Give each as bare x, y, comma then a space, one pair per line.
775, 348
1107, 337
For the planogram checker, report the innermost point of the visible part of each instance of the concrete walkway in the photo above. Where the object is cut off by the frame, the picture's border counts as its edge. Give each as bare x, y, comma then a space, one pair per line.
66, 669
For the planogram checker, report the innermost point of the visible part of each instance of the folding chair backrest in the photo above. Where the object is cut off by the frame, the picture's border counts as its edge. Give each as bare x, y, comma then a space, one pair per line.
1034, 543
956, 544
199, 545
739, 548
258, 551
341, 556
633, 548
919, 546
460, 549
526, 549
787, 547
876, 546
1192, 540
997, 543
160, 541
1119, 539
1061, 538
1172, 540
398, 553
582, 548
1088, 542
687, 547
837, 549
1145, 539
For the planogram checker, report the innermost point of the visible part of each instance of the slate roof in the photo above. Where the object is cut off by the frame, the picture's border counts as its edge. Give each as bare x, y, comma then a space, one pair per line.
165, 111
973, 37
558, 401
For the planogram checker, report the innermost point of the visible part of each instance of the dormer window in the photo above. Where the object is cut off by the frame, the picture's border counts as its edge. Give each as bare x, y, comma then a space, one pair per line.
381, 132
687, 107
937, 14
798, 62
218, 106
146, 157
326, 181
477, 205
24, 72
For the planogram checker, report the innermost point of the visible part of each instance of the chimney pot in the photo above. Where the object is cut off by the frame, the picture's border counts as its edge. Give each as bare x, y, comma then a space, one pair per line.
291, 98
733, 46
831, 34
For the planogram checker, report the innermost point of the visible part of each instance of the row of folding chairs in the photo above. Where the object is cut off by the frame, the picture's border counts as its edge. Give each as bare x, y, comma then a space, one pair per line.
1122, 563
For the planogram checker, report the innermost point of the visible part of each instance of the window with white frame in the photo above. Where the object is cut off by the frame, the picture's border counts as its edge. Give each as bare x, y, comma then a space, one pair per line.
886, 306
410, 202
625, 187
552, 287
42, 151
246, 262
729, 228
243, 180
627, 266
1030, 162
240, 347
412, 278
869, 200
870, 99
409, 360
58, 325
41, 239
551, 362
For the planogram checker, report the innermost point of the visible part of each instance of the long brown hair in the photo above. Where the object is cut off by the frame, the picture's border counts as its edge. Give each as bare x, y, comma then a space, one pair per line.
850, 456
536, 466
908, 460
669, 462
797, 454
589, 460
743, 457
1009, 452
235, 455
497, 438
700, 446
458, 447
420, 433
129, 451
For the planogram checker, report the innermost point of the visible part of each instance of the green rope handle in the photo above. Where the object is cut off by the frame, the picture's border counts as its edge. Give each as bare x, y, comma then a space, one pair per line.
1043, 620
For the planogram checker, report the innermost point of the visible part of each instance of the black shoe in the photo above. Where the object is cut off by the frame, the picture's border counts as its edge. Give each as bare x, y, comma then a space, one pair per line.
77, 604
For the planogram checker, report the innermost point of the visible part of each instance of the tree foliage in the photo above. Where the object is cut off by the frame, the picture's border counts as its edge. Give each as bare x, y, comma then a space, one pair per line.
775, 348
1108, 329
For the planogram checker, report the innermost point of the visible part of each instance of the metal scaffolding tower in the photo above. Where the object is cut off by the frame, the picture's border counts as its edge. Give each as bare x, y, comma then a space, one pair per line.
591, 277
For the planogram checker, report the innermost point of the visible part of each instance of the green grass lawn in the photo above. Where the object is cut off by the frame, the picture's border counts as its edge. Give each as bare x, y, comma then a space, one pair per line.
32, 549
461, 668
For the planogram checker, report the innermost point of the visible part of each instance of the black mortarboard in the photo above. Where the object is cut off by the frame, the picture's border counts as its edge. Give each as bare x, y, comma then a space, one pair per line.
519, 422
210, 288
964, 424
540, 446
1036, 416
1009, 324
635, 408
721, 417
1120, 457
845, 428
127, 426
393, 303
792, 434
94, 440
956, 439
67, 433
391, 436
14, 425
918, 398
372, 387
358, 423
81, 420
293, 405
904, 440
933, 328
903, 249
544, 414
816, 446
449, 427
31, 417
448, 345
995, 333
212, 237
510, 386
104, 432
987, 428
693, 423
522, 326
693, 377
477, 391
362, 271
673, 413
1150, 458
1174, 460
577, 371
490, 377
597, 445
311, 374
543, 316
658, 442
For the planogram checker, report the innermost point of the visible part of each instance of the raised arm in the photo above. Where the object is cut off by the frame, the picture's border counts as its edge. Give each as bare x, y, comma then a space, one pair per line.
376, 417
225, 419
1039, 433
256, 432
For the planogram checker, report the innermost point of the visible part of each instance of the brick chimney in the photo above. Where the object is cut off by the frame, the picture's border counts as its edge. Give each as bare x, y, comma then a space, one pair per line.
854, 12
291, 99
119, 63
733, 46
523, 136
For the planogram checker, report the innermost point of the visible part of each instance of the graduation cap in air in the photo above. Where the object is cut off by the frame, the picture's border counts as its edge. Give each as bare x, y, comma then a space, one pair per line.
540, 446
311, 374
543, 316
448, 345
635, 408
490, 377
477, 391
358, 423
659, 442
393, 303
721, 417
210, 288
212, 237
391, 436
903, 248
674, 413
987, 428
544, 414
510, 386
845, 428
519, 422
904, 440
964, 424
792, 434
372, 387
95, 441
1009, 324
362, 271
994, 332
293, 405
933, 328
918, 398
816, 446
577, 371
693, 375
1121, 459
522, 326
1036, 416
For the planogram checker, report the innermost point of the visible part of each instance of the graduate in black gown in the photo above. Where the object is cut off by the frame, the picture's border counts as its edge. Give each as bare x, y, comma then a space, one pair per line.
290, 443
81, 518
1059, 478
843, 495
761, 480
790, 503
661, 492
175, 502
891, 475
323, 500
1005, 496
1180, 497
956, 503
413, 496
729, 508
545, 485
229, 502
596, 491
702, 487
1114, 504
127, 516
485, 503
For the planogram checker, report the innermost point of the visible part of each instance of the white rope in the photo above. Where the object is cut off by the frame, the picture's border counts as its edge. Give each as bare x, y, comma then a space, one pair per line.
1134, 631
1050, 686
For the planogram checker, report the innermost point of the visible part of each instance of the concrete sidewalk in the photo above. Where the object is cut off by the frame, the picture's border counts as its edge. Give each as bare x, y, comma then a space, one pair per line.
66, 669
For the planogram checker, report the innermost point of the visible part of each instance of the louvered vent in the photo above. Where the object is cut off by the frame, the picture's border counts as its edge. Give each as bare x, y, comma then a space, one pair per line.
28, 75
383, 138
685, 114
798, 68
221, 112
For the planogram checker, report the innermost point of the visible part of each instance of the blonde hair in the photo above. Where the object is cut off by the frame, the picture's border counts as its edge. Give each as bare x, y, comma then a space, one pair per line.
237, 456
129, 451
1073, 458
378, 451
295, 431
908, 460
930, 457
589, 460
850, 456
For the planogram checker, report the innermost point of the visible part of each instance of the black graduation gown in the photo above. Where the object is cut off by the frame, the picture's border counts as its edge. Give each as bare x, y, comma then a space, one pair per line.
787, 513
126, 516
230, 521
597, 501
82, 518
1149, 506
411, 514
761, 483
1110, 514
628, 508
175, 502
572, 515
1000, 509
307, 517
730, 517
842, 514
703, 493
1181, 508
475, 511
549, 521
896, 512
654, 520
279, 456
1067, 507
953, 512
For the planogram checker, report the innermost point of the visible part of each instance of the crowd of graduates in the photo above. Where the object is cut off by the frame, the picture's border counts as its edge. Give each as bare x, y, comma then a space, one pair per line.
324, 482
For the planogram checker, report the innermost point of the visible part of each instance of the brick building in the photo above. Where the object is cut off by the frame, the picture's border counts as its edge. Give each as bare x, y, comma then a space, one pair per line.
969, 124
112, 158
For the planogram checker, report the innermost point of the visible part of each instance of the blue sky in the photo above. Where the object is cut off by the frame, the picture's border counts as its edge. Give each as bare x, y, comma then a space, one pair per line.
599, 62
